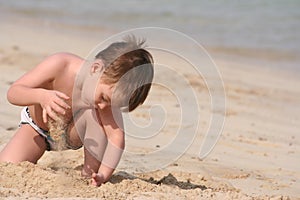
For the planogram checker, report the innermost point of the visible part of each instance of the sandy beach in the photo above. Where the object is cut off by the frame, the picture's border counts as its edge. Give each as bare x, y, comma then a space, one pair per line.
256, 157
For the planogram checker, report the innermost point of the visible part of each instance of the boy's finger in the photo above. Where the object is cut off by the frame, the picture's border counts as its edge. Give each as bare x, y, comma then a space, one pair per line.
96, 180
58, 109
94, 175
44, 115
93, 182
62, 95
51, 114
62, 103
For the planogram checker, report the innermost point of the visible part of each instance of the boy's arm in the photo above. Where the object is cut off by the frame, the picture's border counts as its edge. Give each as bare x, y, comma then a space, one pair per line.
33, 87
109, 162
113, 127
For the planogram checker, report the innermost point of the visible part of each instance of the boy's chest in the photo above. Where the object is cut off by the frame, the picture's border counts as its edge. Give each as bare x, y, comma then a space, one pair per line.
64, 85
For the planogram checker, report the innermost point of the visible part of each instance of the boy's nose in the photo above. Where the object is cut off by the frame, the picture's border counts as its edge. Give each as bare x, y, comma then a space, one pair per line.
102, 105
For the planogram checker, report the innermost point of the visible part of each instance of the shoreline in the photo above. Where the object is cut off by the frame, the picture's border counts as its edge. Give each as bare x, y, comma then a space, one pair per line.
270, 59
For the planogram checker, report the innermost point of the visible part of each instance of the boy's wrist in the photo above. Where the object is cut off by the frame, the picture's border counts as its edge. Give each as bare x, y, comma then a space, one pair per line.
40, 95
105, 176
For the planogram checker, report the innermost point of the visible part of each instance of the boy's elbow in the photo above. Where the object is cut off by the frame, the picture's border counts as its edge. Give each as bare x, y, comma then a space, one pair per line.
10, 95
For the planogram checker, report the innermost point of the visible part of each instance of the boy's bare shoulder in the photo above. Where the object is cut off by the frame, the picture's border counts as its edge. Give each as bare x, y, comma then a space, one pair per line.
61, 61
64, 57
56, 65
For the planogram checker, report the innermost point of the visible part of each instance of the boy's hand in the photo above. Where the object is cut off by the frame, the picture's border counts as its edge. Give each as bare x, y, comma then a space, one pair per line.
97, 179
53, 102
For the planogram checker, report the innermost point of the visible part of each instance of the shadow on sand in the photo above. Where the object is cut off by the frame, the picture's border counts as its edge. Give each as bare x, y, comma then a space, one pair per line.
166, 180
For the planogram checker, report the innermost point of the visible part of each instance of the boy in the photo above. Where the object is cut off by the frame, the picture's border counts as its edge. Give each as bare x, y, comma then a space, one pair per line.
82, 102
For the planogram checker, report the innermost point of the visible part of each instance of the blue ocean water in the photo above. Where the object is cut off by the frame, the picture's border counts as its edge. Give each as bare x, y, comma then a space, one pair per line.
269, 28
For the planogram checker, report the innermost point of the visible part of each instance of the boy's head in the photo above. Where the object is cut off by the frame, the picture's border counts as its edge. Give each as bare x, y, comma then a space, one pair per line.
129, 67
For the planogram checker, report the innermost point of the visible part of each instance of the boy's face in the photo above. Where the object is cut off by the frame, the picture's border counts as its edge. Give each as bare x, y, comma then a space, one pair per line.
103, 95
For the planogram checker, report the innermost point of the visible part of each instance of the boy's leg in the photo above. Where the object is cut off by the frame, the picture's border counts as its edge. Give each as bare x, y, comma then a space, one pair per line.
26, 145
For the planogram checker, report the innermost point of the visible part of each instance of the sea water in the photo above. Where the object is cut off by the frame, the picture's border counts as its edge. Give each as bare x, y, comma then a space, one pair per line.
256, 29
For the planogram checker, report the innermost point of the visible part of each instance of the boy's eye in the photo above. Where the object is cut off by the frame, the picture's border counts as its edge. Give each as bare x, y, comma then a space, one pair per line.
104, 99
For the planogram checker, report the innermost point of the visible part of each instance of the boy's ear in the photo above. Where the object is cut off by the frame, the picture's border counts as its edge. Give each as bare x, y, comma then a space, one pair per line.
97, 66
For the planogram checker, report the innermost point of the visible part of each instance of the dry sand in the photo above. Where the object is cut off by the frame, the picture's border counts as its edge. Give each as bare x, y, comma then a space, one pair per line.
257, 156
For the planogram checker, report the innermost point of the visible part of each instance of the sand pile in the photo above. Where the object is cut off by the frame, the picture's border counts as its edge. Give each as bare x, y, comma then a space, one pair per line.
28, 180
